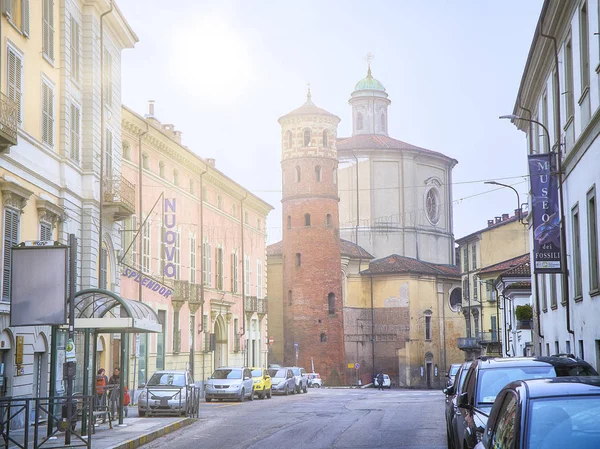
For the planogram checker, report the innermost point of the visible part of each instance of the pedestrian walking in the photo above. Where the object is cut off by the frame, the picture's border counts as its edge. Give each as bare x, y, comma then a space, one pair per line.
115, 383
380, 381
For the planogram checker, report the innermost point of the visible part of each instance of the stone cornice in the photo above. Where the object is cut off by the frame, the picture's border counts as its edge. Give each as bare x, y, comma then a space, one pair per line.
49, 213
13, 195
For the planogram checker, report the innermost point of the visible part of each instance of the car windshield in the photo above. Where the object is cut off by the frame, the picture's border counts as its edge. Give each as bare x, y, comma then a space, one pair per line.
491, 381
461, 378
167, 380
564, 422
227, 374
256, 373
281, 374
454, 369
296, 371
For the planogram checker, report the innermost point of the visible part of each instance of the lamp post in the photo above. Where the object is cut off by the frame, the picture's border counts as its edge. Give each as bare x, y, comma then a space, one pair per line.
514, 190
517, 117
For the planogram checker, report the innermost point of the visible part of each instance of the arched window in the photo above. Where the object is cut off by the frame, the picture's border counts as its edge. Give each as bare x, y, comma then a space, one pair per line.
289, 139
289, 222
331, 303
297, 174
298, 259
145, 161
126, 151
220, 202
359, 121
176, 177
161, 169
290, 297
328, 220
306, 219
191, 186
318, 173
334, 176
246, 217
307, 137
323, 337
234, 210
325, 139
383, 122
427, 324
455, 299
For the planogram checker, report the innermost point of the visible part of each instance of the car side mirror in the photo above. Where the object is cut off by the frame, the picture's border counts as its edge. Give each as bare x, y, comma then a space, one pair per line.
449, 391
142, 386
463, 401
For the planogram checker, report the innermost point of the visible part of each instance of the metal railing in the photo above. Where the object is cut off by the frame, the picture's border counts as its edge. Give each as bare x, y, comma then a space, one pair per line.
22, 422
487, 337
119, 191
254, 304
9, 120
467, 343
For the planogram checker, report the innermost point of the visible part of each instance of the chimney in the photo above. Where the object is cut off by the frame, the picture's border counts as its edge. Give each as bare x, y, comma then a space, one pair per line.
498, 219
490, 223
517, 213
210, 161
177, 136
150, 108
505, 217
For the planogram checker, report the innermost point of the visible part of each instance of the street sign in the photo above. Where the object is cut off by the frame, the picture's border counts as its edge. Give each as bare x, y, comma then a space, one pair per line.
350, 365
271, 340
357, 365
296, 344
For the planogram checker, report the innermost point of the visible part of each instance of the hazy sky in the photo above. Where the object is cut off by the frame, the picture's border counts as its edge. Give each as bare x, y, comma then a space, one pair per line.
224, 71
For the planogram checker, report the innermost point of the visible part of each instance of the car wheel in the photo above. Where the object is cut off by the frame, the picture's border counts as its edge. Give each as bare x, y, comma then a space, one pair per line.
287, 390
141, 413
305, 388
208, 399
241, 398
269, 393
261, 395
251, 398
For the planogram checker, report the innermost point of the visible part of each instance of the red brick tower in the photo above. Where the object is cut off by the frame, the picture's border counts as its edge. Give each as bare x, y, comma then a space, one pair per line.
312, 302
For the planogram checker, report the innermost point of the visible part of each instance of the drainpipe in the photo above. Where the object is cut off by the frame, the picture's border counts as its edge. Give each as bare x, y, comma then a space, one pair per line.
201, 225
506, 335
243, 272
372, 330
357, 202
100, 209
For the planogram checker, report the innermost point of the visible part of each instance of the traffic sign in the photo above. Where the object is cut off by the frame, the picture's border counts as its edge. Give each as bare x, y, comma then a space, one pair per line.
271, 340
296, 344
350, 365
357, 365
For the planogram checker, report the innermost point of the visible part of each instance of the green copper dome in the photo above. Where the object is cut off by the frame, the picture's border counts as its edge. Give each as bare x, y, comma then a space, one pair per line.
369, 83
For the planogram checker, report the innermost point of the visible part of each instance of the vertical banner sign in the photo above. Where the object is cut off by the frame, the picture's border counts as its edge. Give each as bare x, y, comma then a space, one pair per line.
546, 215
170, 236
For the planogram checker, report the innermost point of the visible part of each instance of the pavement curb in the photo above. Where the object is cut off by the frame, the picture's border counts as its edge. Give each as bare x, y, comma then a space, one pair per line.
155, 434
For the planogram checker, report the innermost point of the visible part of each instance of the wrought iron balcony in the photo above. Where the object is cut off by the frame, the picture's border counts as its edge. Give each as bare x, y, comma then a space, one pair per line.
118, 198
487, 337
254, 304
9, 118
524, 324
468, 343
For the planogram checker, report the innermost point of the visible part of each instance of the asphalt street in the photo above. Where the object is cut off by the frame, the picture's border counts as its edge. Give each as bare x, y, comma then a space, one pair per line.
321, 418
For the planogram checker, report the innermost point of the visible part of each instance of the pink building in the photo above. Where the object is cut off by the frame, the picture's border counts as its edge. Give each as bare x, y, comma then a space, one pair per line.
195, 251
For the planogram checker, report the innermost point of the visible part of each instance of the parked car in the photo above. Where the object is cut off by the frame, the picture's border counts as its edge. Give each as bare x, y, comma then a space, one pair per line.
166, 392
282, 381
545, 414
451, 408
387, 382
452, 374
486, 377
262, 382
301, 379
314, 380
229, 383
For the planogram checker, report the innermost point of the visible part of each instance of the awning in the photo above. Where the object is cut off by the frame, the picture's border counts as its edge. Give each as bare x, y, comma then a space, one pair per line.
106, 311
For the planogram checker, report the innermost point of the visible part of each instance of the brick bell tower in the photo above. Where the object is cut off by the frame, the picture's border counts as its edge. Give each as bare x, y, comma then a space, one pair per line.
312, 285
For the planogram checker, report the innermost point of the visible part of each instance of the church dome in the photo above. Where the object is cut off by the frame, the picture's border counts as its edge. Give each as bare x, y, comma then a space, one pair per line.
369, 83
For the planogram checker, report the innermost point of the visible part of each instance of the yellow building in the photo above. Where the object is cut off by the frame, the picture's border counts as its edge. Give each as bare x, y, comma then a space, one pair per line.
503, 239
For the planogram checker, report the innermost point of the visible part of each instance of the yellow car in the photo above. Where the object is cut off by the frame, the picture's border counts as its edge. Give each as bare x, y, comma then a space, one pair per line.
262, 382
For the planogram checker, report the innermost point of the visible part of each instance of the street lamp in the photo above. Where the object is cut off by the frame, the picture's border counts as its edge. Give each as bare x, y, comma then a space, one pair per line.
515, 190
517, 117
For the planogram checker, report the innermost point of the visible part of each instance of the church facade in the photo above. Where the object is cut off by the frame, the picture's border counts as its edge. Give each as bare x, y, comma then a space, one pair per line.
367, 283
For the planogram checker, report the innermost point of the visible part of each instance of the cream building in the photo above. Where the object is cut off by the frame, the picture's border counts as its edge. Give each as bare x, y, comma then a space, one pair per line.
59, 74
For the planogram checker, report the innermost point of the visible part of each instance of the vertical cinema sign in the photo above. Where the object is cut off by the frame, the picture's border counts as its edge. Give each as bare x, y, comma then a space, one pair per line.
546, 214
170, 236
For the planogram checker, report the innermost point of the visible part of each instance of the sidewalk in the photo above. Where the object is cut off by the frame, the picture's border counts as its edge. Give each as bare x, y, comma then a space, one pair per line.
136, 431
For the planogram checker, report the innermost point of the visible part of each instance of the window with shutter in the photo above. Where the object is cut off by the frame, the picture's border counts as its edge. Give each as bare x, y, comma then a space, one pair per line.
146, 248
247, 276
192, 258
47, 114
11, 238
75, 132
103, 283
219, 268
25, 17
15, 80
134, 247
45, 231
75, 50
108, 154
259, 286
48, 29
234, 272
161, 248
209, 264
178, 255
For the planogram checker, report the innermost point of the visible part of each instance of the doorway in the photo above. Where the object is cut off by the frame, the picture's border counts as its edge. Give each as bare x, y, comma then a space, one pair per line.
428, 368
220, 342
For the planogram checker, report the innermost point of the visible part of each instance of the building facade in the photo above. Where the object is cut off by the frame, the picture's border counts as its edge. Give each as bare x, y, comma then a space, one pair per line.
62, 66
479, 257
562, 92
195, 251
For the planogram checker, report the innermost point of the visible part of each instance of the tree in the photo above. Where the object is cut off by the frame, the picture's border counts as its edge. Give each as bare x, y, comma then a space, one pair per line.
524, 312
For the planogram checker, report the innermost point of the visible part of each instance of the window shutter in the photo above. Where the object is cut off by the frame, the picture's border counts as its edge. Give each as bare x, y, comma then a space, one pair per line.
14, 80
75, 133
47, 114
11, 235
209, 264
25, 17
8, 8
45, 231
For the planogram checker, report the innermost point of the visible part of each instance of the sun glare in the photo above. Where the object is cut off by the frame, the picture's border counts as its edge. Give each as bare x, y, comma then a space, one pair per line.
211, 60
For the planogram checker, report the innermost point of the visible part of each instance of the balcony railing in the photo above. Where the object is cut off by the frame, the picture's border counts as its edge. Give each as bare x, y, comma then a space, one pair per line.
254, 304
487, 337
9, 119
119, 197
468, 343
524, 325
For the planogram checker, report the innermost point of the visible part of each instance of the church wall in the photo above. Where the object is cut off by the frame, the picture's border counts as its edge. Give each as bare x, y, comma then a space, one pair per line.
275, 301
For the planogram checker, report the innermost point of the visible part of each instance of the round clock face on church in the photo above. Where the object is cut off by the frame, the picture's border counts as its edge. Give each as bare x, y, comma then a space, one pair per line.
432, 206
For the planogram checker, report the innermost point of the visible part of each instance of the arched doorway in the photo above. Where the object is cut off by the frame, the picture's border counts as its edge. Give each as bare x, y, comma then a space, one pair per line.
220, 342
6, 361
428, 368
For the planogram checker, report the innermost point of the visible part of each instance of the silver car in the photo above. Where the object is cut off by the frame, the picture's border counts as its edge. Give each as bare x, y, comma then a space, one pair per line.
229, 383
282, 381
167, 392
